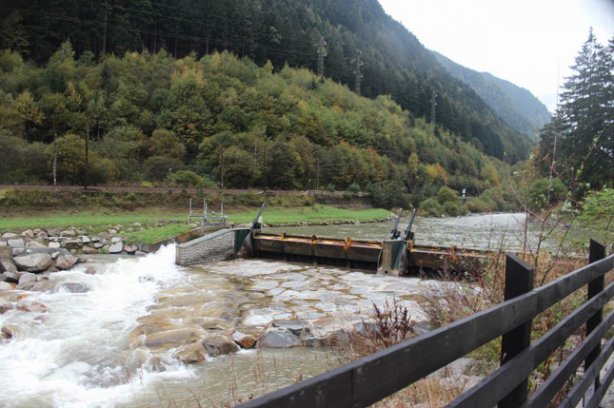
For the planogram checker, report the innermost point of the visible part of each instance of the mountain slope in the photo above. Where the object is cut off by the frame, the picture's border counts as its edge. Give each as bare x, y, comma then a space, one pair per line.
282, 31
516, 106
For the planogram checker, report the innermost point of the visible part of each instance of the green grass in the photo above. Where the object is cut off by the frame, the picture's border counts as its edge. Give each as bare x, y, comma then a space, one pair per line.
157, 234
175, 224
87, 220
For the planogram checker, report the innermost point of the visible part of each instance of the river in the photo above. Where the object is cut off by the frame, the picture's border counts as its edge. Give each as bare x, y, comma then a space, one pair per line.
78, 353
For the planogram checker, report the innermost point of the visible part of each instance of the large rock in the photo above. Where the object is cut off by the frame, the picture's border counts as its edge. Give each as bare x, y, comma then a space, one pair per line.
278, 338
27, 277
44, 285
131, 248
35, 245
7, 265
7, 276
191, 353
172, 338
54, 245
37, 262
9, 235
28, 234
88, 250
72, 244
91, 270
68, 233
246, 341
217, 344
66, 261
7, 286
5, 306
116, 248
16, 243
29, 306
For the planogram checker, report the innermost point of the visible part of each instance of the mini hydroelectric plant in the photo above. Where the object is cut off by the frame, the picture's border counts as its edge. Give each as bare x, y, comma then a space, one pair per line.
397, 255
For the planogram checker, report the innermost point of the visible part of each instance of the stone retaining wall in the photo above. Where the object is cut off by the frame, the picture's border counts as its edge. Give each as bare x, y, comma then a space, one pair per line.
210, 248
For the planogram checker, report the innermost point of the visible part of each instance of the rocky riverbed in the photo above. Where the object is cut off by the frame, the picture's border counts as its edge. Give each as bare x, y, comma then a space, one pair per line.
244, 304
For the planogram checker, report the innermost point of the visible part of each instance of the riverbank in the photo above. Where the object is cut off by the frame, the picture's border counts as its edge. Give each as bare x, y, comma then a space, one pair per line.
149, 226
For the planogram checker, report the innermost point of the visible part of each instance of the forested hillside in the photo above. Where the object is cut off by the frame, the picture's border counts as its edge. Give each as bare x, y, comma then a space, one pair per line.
150, 117
516, 106
361, 41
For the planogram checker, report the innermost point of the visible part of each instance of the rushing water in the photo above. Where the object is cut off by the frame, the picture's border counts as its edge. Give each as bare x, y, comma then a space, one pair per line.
77, 353
488, 231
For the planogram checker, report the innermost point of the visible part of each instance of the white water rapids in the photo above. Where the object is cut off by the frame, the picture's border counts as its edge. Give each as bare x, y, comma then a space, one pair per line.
75, 355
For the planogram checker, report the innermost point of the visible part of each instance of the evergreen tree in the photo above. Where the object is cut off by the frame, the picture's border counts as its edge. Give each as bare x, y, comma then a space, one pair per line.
584, 135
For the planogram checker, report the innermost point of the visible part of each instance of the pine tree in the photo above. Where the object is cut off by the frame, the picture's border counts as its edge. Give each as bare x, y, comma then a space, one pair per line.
584, 135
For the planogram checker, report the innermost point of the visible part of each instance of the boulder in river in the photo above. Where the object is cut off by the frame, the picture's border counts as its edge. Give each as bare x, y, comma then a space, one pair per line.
7, 286
74, 287
5, 306
278, 338
30, 306
246, 341
66, 261
172, 338
27, 277
91, 270
37, 262
7, 276
217, 344
131, 248
191, 353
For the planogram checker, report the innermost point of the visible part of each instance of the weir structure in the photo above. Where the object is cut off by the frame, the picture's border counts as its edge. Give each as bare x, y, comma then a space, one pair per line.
395, 256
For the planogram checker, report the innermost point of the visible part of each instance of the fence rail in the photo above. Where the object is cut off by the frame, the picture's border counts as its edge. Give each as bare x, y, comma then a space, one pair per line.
372, 378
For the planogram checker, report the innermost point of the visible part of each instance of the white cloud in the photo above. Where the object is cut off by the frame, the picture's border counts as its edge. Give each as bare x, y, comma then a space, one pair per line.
527, 42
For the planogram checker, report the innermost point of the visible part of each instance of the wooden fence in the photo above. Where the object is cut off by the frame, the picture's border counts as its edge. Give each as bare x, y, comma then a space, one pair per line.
372, 378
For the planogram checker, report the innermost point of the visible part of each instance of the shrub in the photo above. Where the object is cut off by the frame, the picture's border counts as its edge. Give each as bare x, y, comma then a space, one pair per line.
354, 187
185, 178
431, 207
446, 194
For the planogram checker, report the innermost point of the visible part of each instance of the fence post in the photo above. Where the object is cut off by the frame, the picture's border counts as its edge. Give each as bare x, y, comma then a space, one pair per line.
596, 253
518, 280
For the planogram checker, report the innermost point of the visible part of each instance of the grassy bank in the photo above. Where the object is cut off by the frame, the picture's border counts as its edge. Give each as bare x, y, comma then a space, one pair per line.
155, 225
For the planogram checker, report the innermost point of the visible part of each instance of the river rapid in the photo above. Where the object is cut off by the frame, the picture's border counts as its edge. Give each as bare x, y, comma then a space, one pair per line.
78, 352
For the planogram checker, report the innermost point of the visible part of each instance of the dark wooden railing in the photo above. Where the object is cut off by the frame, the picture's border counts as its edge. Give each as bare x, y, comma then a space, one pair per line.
372, 378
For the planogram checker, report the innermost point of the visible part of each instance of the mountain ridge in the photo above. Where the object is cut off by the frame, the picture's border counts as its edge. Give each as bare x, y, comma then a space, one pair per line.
515, 105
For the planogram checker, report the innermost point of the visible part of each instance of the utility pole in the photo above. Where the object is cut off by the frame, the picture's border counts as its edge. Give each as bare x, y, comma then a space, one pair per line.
433, 107
358, 75
321, 47
318, 174
87, 154
55, 160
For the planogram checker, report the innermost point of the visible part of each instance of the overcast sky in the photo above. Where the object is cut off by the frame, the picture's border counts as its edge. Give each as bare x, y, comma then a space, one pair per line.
527, 42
